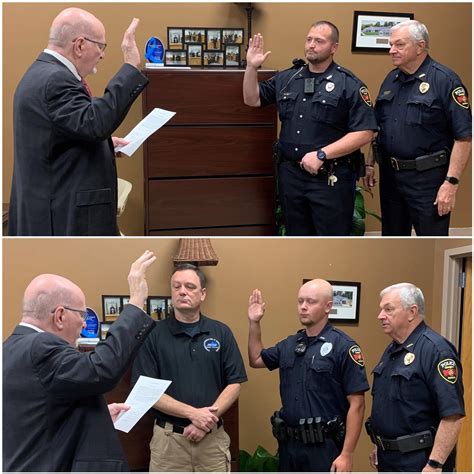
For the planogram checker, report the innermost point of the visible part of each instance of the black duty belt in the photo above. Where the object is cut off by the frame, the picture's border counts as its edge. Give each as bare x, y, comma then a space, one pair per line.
406, 444
180, 429
347, 160
421, 163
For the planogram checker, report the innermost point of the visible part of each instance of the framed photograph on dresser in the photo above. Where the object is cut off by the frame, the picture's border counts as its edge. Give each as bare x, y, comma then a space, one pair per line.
232, 55
194, 54
175, 38
213, 39
213, 58
177, 57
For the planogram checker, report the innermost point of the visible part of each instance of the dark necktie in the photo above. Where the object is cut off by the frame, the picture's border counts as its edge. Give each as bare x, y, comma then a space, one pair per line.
86, 87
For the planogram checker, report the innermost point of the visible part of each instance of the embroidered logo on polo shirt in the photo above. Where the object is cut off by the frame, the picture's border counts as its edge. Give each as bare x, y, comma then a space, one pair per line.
356, 355
448, 370
460, 97
212, 345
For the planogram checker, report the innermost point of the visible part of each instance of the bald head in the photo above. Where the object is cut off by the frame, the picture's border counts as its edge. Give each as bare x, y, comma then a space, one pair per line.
71, 23
45, 293
320, 288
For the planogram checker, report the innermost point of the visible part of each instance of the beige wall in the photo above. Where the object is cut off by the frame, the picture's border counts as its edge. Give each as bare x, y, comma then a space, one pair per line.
275, 266
284, 26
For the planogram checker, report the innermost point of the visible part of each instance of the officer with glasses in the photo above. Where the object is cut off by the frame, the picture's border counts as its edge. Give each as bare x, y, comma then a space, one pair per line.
54, 415
322, 384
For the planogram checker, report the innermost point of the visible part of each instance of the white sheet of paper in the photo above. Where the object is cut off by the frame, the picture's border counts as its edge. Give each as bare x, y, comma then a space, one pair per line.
146, 392
149, 125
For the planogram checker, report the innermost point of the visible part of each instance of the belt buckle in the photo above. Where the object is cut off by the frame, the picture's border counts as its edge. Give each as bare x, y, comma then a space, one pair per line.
394, 163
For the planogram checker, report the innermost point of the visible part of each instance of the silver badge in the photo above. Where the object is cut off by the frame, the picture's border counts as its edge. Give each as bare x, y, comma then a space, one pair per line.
326, 348
409, 358
330, 86
424, 87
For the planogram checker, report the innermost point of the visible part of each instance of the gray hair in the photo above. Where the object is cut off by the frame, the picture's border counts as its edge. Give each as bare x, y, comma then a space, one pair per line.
409, 295
416, 29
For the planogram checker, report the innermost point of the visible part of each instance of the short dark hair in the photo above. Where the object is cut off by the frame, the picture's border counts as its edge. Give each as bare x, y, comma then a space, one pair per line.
335, 31
189, 266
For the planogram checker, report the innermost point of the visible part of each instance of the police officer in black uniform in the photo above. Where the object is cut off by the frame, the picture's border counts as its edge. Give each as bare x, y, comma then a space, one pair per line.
417, 391
424, 140
322, 384
326, 116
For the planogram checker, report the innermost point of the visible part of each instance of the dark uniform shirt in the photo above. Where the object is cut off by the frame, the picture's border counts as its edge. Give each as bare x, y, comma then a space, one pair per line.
318, 382
416, 384
339, 104
199, 367
422, 113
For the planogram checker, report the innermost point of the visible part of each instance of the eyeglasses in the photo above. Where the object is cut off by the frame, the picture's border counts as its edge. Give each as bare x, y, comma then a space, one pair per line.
101, 46
80, 311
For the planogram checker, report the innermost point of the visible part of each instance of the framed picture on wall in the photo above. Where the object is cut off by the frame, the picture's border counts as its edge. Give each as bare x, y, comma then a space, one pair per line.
345, 302
371, 30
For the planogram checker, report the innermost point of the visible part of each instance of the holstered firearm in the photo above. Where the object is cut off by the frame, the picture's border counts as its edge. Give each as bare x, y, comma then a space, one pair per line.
336, 428
279, 427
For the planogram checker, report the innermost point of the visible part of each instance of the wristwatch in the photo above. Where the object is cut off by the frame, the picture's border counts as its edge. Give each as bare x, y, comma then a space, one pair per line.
435, 464
452, 180
321, 155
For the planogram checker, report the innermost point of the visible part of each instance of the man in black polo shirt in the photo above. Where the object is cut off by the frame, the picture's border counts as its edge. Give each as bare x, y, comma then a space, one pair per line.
201, 358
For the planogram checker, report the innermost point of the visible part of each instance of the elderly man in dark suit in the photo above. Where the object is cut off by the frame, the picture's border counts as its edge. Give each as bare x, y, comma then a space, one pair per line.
54, 415
65, 178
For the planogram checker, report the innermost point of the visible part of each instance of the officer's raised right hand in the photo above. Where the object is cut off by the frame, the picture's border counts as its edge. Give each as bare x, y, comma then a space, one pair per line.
137, 281
255, 54
256, 306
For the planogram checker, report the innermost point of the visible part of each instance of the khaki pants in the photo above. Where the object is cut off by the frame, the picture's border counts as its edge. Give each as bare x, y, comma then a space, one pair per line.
172, 452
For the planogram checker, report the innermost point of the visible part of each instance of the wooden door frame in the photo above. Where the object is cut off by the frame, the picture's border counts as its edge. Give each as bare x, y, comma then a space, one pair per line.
451, 303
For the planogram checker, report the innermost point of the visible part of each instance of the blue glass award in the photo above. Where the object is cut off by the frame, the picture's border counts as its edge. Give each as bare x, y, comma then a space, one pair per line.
92, 324
155, 52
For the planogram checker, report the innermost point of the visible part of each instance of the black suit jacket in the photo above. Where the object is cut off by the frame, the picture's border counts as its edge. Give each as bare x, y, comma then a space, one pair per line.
54, 415
64, 177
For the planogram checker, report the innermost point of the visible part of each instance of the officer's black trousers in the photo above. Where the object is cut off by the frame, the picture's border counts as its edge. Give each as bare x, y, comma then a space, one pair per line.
296, 456
311, 206
406, 200
394, 461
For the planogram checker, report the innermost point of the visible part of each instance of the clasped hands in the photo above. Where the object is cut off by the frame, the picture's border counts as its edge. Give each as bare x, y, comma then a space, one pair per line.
203, 421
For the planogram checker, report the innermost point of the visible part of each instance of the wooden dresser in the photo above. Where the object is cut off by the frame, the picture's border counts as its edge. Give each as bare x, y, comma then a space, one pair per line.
209, 170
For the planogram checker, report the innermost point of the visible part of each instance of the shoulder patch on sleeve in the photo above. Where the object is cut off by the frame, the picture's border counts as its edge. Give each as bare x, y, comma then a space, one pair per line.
364, 93
448, 370
460, 97
356, 355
